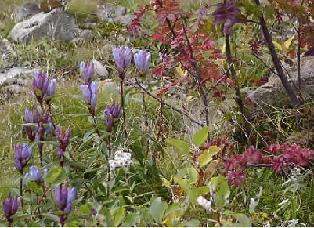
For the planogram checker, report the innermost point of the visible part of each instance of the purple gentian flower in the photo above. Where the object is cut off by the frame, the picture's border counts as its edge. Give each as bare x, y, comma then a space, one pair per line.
64, 197
51, 88
87, 71
111, 112
10, 206
90, 94
23, 154
123, 59
34, 175
142, 61
226, 13
43, 87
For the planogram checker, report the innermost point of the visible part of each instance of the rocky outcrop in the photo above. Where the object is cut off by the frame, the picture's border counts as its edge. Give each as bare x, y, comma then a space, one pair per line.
273, 93
7, 54
56, 25
112, 13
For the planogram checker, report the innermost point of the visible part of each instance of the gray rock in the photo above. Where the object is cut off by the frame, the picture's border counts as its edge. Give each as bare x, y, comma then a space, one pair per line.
16, 76
86, 34
273, 92
100, 69
56, 25
112, 13
7, 54
26, 11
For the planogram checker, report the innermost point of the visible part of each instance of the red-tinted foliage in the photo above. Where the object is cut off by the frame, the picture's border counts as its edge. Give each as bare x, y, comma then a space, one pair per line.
276, 156
188, 46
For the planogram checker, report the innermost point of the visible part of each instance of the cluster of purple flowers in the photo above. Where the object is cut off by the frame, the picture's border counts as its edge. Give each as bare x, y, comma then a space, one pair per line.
123, 59
278, 157
37, 123
44, 87
89, 88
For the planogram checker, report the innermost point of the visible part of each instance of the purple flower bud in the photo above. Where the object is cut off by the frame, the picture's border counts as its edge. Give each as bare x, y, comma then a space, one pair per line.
90, 94
63, 136
31, 118
64, 197
142, 61
111, 112
109, 123
87, 71
23, 154
10, 206
226, 13
123, 58
34, 175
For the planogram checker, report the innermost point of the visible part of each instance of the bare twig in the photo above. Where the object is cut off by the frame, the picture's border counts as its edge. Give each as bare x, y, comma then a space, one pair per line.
166, 104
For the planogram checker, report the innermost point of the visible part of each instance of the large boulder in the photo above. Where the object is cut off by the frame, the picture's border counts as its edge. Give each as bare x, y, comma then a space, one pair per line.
273, 92
7, 54
56, 25
26, 11
111, 13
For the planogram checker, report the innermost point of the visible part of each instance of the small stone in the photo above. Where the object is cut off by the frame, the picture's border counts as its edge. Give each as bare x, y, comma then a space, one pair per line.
86, 34
100, 69
112, 13
7, 54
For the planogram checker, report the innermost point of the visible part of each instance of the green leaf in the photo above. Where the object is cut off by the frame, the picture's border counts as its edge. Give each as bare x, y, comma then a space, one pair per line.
190, 174
243, 220
132, 219
34, 187
200, 136
182, 146
51, 217
220, 186
86, 208
55, 175
207, 155
195, 192
118, 216
173, 214
192, 223
157, 209
277, 45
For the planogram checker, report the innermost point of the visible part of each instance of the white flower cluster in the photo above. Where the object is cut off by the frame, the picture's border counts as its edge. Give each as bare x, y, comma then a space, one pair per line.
121, 159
